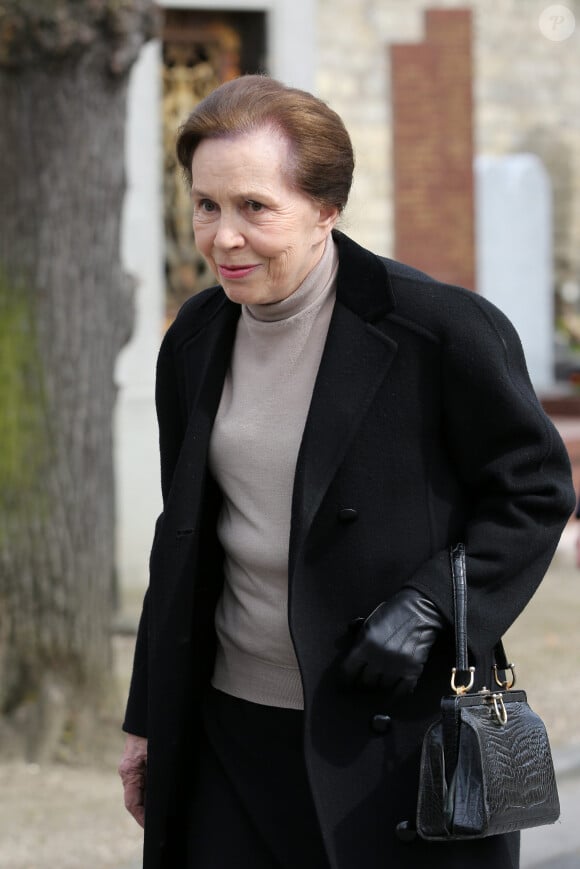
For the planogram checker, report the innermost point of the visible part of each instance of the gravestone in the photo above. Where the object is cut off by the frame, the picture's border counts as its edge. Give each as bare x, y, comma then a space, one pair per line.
514, 252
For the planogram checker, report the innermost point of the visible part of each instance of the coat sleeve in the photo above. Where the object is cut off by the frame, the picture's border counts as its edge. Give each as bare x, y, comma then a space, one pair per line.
513, 465
171, 422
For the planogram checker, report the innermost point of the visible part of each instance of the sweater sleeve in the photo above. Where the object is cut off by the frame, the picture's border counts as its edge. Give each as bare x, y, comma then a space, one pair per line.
512, 462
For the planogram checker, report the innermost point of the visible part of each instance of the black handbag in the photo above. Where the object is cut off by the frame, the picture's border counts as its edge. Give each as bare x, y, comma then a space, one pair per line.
486, 764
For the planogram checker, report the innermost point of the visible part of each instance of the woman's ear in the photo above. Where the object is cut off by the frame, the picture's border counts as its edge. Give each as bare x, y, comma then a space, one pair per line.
329, 215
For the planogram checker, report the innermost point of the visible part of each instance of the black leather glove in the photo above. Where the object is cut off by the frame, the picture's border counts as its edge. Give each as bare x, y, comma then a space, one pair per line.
393, 644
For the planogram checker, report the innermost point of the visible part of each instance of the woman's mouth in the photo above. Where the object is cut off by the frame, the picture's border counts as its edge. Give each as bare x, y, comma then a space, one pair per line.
236, 272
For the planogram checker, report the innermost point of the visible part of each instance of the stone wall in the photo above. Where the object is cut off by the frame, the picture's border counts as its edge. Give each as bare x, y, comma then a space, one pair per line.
526, 97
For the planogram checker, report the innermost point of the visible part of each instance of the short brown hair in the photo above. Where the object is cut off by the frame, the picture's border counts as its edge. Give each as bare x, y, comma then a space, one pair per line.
323, 161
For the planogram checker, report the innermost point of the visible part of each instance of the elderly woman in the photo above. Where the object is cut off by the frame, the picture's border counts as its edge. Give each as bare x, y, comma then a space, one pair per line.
330, 422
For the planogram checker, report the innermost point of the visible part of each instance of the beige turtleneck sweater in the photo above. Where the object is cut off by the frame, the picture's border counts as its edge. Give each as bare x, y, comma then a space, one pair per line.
253, 451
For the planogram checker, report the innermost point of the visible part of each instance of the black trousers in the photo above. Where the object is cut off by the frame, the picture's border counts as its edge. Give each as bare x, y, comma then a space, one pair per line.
252, 808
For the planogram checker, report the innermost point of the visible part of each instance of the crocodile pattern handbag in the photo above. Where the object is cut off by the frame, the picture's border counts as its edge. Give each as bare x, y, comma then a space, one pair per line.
486, 764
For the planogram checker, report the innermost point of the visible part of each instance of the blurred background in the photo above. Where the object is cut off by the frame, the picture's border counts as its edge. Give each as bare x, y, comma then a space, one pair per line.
465, 118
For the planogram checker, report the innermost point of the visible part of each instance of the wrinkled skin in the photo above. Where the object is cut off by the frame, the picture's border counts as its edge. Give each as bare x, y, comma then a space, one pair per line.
133, 769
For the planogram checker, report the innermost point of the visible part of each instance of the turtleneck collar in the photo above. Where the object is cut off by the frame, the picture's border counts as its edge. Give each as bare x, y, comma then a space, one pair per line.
308, 293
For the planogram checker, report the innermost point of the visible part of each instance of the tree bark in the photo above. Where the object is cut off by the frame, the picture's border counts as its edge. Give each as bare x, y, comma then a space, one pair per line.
65, 312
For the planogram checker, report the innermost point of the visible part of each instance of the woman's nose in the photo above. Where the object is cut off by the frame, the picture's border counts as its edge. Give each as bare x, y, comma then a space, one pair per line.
228, 234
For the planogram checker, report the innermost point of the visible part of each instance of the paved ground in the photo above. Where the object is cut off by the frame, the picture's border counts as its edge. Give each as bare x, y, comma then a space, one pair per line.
558, 846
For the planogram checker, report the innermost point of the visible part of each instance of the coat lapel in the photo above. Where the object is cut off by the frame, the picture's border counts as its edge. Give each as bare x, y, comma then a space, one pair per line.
206, 356
356, 357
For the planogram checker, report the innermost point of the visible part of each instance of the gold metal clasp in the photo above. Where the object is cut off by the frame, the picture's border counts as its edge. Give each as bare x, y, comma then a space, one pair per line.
499, 708
509, 683
462, 689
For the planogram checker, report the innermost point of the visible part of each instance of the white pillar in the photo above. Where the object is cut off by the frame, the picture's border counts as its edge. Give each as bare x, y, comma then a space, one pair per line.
138, 498
292, 42
514, 252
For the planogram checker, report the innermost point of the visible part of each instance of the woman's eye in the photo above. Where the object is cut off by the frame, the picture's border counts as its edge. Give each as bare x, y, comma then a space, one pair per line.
254, 206
204, 209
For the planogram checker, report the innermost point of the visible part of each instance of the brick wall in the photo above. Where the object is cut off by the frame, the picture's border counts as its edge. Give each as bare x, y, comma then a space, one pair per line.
433, 148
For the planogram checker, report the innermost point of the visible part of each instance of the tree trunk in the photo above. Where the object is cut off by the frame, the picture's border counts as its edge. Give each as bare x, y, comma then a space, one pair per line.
65, 312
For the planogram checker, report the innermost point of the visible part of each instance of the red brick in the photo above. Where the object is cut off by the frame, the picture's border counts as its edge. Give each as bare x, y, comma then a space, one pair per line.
433, 148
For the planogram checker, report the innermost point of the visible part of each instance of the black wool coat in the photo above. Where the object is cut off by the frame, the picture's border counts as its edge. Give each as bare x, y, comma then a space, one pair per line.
423, 430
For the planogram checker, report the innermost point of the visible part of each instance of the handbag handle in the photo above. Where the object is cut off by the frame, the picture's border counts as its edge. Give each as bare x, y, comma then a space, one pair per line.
459, 582
459, 585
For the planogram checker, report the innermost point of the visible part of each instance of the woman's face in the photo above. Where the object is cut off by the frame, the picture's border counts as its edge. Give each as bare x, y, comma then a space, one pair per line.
260, 236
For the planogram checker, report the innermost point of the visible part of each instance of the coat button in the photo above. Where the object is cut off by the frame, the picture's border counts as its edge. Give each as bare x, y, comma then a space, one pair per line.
381, 723
405, 832
347, 514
